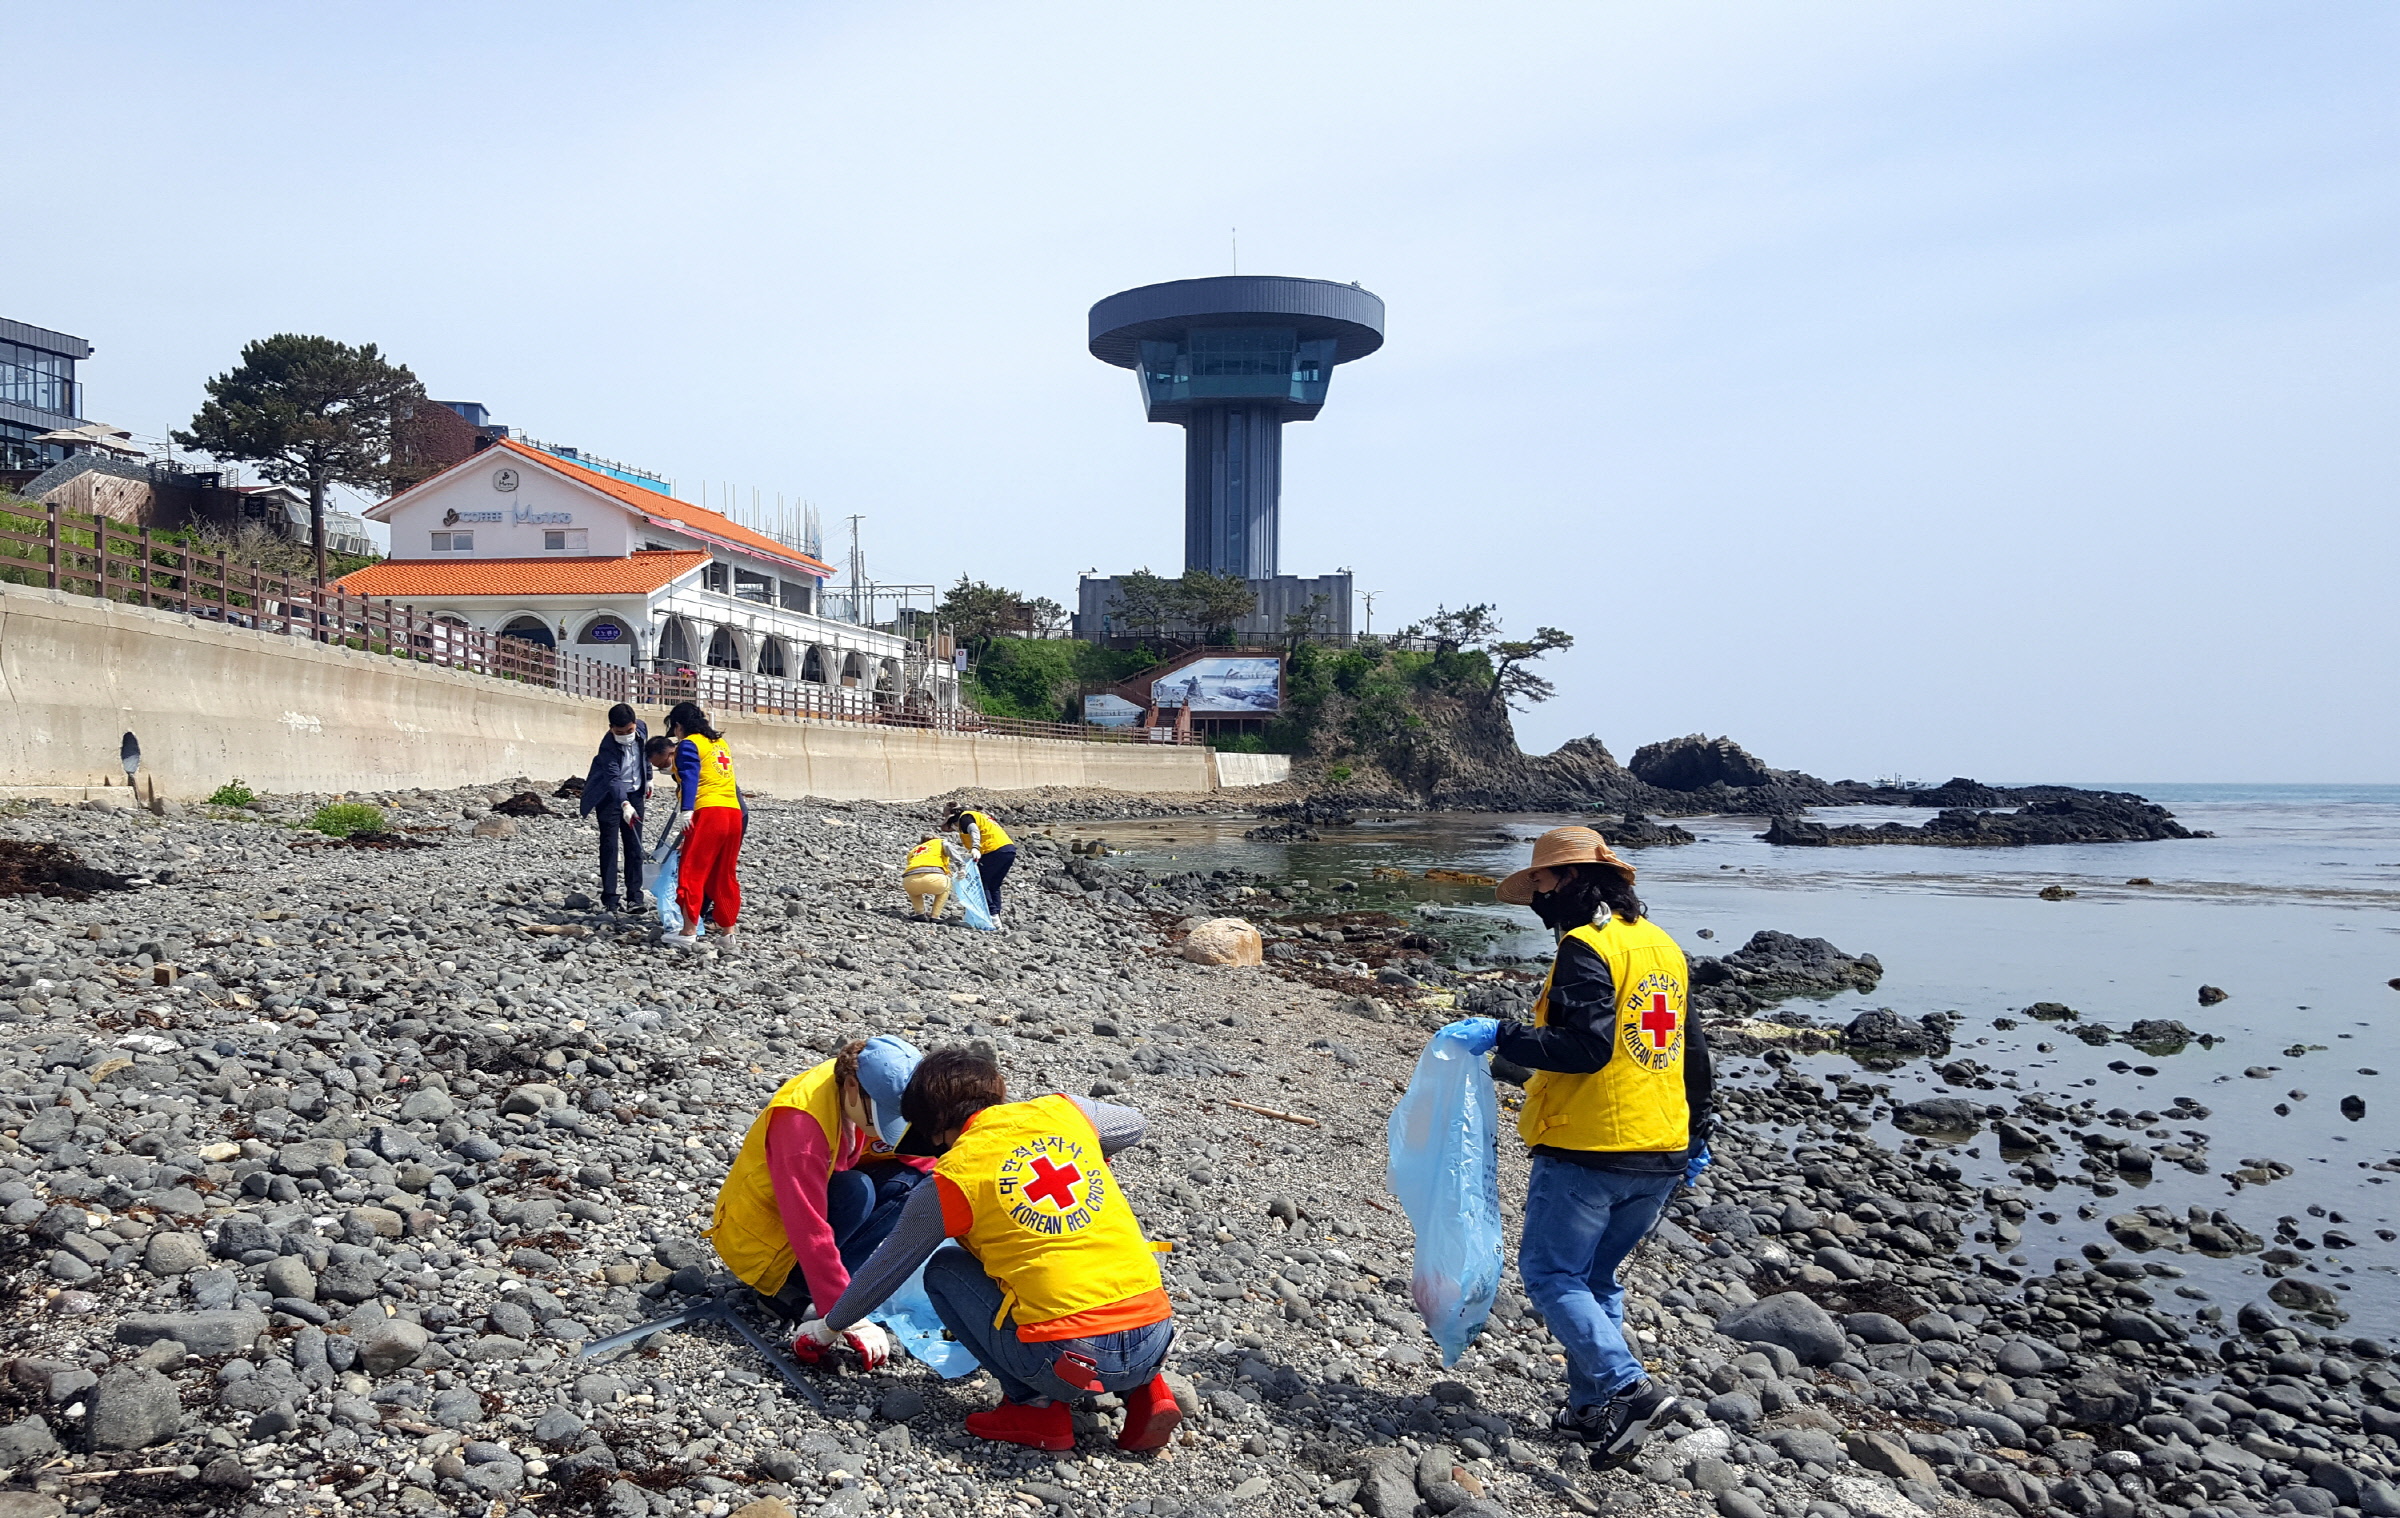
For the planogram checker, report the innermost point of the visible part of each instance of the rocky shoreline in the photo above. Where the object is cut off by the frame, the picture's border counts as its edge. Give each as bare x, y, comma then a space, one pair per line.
2084, 817
319, 1162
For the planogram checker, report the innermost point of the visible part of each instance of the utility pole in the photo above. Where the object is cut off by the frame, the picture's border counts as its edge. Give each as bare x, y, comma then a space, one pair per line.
1369, 596
858, 573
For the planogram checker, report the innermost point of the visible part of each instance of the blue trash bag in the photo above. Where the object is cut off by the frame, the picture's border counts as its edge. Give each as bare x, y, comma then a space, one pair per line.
966, 888
1445, 1170
662, 891
908, 1315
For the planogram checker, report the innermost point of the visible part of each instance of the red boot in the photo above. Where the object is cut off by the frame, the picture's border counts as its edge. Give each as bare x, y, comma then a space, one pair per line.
1151, 1416
1050, 1428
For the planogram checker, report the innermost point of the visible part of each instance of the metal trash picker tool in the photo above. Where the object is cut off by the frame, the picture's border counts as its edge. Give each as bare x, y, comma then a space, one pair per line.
715, 1310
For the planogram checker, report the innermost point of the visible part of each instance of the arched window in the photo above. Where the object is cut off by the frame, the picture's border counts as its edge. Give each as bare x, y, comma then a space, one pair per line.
812, 665
724, 652
770, 658
530, 629
854, 669
887, 677
606, 632
674, 644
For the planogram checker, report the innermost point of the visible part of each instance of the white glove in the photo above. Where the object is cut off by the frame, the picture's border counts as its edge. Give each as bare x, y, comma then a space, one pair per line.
674, 835
632, 818
874, 1346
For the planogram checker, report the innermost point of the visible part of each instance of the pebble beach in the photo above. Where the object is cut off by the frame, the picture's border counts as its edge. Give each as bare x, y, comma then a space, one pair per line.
322, 1160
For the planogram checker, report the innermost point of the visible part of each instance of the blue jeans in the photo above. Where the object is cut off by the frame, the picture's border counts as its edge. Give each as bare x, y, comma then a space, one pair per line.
1579, 1226
862, 1207
968, 1300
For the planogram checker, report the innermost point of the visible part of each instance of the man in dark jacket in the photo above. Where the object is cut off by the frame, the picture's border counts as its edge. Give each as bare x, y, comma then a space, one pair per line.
617, 789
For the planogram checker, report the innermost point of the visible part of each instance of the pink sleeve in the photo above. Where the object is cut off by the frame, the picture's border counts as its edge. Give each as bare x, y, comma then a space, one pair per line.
799, 1163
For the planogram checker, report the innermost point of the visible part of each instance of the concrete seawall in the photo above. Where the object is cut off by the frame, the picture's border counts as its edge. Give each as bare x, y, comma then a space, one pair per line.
211, 704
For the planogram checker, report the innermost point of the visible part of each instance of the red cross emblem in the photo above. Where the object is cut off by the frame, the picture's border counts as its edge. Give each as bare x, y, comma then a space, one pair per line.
1660, 1021
1054, 1184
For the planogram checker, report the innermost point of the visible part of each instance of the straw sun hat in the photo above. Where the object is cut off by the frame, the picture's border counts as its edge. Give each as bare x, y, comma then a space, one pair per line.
1561, 846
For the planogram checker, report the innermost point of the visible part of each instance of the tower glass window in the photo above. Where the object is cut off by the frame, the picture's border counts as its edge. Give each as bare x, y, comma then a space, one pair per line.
40, 379
1236, 363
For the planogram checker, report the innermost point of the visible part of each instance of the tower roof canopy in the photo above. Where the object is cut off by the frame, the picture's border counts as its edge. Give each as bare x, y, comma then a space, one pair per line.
1316, 308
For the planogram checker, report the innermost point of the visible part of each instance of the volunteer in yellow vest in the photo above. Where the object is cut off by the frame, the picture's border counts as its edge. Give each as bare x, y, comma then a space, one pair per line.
926, 878
1616, 1113
1053, 1289
815, 1189
709, 824
988, 844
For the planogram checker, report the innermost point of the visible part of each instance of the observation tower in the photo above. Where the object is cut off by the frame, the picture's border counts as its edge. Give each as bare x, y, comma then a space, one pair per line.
1230, 360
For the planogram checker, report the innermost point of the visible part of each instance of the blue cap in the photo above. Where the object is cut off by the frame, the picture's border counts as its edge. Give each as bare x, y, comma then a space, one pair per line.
884, 1067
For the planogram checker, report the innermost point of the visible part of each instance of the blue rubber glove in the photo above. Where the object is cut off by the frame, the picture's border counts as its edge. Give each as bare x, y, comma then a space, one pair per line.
1481, 1035
1699, 1162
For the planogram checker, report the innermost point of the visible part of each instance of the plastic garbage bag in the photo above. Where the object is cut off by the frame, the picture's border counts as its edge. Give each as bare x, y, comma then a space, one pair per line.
966, 888
908, 1315
1445, 1170
662, 890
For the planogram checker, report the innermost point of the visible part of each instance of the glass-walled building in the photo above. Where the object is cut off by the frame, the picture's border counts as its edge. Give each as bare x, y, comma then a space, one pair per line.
38, 392
1230, 360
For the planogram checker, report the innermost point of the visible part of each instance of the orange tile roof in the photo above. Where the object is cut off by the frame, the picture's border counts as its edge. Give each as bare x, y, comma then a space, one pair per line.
398, 579
666, 511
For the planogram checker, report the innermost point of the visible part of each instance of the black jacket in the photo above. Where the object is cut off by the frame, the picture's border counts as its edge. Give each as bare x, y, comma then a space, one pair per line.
1582, 1037
603, 786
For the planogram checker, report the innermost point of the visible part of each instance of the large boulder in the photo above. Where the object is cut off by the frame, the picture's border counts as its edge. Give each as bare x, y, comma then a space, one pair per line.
1696, 762
201, 1333
389, 1346
1225, 941
134, 1408
1882, 1452
1938, 1114
1881, 1030
2104, 1399
1791, 1320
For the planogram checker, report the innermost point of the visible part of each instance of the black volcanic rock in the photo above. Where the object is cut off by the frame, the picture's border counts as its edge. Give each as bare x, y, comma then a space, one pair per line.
1773, 966
2080, 817
1635, 831
1696, 762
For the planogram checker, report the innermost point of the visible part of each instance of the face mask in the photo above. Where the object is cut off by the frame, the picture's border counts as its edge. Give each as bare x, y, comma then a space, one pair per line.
1558, 910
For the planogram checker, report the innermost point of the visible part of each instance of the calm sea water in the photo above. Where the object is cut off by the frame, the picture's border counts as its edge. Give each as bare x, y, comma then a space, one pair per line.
2293, 908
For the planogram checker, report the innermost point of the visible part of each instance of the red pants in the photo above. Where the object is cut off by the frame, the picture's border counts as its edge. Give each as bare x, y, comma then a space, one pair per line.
710, 851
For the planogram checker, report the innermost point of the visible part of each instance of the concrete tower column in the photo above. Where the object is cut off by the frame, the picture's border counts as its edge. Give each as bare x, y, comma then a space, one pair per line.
1233, 479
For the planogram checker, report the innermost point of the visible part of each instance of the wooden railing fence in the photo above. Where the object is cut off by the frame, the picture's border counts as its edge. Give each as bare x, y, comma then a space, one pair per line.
101, 557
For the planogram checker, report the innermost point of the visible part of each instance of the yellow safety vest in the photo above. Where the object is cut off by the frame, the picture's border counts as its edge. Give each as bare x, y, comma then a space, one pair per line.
928, 856
994, 836
716, 787
1050, 1224
748, 1226
1636, 1100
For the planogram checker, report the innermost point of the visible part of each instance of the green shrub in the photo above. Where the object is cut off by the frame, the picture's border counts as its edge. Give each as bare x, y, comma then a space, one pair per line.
1238, 743
1035, 679
340, 819
1339, 774
235, 794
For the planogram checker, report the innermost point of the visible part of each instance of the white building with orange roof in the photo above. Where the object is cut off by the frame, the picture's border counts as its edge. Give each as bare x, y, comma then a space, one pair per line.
522, 543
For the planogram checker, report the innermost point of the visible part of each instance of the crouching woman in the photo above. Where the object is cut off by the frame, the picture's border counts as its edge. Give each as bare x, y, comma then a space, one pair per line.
1054, 1290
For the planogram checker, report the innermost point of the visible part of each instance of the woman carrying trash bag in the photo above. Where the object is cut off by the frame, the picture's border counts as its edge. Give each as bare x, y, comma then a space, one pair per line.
709, 822
988, 845
1616, 1114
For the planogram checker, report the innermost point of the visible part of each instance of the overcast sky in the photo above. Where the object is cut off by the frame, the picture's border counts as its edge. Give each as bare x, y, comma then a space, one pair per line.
1993, 389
